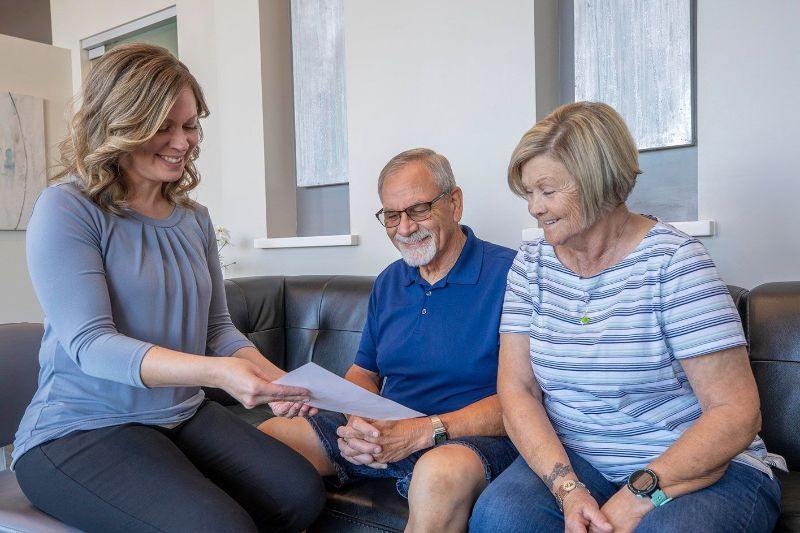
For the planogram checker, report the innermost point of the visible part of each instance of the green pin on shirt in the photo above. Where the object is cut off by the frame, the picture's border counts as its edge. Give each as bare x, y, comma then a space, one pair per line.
584, 320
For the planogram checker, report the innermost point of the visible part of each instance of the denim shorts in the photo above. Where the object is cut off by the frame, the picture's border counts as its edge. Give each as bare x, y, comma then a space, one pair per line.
495, 453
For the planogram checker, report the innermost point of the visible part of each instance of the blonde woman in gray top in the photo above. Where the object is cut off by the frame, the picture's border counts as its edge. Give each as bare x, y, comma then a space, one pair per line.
119, 436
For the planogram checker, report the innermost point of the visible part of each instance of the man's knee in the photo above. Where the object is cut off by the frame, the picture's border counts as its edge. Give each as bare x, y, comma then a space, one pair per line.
450, 469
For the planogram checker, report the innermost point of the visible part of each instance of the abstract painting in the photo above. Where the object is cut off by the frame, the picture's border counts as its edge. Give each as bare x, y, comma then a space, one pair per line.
22, 158
636, 56
320, 111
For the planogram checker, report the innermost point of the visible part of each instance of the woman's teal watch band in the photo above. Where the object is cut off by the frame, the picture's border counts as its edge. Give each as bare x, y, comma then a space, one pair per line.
659, 498
644, 484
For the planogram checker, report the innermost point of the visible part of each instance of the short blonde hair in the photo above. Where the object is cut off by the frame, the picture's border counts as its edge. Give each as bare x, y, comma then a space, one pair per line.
126, 97
593, 143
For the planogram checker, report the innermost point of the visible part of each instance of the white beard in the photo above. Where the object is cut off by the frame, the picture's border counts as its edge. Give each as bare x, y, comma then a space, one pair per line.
419, 256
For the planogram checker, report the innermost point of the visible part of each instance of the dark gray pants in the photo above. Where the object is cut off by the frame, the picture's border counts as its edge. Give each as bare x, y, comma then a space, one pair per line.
214, 472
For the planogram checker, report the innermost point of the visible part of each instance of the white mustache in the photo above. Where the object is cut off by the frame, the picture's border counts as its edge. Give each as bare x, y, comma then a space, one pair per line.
415, 237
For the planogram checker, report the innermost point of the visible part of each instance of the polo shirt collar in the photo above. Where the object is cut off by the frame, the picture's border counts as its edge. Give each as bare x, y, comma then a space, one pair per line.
467, 269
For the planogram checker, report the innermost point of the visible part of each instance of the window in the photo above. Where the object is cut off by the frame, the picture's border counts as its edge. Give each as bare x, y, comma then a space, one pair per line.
158, 28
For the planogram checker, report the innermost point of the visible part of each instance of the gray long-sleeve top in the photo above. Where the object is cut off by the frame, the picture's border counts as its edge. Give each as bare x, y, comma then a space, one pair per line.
111, 287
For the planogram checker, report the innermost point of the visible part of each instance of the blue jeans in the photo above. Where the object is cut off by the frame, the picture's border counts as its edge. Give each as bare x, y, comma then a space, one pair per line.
744, 500
495, 453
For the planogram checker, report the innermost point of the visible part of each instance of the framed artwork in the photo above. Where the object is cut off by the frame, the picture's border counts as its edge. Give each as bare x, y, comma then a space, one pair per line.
636, 56
320, 109
22, 158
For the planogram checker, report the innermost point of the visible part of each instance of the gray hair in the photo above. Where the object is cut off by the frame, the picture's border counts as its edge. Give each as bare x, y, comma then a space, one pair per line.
437, 165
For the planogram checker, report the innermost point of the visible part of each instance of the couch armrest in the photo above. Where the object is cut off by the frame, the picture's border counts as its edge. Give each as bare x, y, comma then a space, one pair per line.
19, 371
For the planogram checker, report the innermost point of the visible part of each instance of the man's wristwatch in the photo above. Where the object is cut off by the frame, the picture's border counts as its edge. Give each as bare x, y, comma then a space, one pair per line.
644, 484
439, 431
565, 488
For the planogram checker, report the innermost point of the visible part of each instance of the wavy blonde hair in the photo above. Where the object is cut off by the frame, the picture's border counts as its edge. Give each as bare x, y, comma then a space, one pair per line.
124, 100
593, 143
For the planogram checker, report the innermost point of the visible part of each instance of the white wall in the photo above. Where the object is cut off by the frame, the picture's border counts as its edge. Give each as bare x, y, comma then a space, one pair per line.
748, 63
422, 74
38, 70
458, 76
219, 42
455, 76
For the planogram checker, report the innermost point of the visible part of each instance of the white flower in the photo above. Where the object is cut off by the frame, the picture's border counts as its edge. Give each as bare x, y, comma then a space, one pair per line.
223, 237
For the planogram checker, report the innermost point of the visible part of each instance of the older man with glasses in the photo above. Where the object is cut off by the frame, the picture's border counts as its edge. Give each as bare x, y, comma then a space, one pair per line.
430, 343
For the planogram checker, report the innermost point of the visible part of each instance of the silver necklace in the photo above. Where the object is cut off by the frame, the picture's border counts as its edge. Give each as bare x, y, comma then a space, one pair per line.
588, 297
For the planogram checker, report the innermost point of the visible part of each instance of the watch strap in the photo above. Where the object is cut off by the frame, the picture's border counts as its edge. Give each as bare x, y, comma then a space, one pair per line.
565, 488
439, 431
659, 498
653, 492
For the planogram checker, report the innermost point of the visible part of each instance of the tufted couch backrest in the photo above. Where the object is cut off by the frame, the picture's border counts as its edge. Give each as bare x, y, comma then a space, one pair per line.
19, 370
296, 319
773, 324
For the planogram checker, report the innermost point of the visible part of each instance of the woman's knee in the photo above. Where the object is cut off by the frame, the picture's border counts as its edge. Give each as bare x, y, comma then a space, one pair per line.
300, 513
295, 501
216, 516
489, 502
744, 499
516, 501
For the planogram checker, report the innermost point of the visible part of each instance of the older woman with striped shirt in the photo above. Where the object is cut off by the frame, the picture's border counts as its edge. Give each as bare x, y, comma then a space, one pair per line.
624, 377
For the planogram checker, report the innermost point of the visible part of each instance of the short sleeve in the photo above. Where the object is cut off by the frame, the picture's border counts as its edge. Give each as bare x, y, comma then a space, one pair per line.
697, 314
517, 302
367, 356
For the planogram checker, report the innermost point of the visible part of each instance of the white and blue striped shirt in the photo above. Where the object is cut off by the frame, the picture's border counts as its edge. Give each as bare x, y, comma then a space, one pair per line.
613, 385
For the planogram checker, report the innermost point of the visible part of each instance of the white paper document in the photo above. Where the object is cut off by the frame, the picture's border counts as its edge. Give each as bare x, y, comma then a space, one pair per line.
329, 391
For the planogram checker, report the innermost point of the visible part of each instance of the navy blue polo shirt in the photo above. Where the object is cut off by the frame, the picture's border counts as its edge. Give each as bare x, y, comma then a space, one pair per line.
436, 345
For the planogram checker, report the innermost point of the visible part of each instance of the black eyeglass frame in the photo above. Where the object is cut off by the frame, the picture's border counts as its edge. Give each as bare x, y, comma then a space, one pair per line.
380, 215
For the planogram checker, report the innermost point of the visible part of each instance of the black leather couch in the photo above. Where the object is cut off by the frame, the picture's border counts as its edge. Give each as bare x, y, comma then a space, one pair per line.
294, 320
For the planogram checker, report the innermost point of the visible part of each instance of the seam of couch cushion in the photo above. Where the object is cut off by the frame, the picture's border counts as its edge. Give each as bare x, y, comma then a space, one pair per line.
268, 329
322, 299
244, 297
324, 329
352, 520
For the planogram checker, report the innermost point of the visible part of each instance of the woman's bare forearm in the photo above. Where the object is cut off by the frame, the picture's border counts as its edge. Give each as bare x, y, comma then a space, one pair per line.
524, 415
726, 390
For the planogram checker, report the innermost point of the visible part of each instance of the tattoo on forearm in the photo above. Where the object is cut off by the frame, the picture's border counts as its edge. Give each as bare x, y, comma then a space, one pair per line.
558, 470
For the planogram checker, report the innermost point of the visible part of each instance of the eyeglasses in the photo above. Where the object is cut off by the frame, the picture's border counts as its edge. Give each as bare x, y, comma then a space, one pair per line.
417, 212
